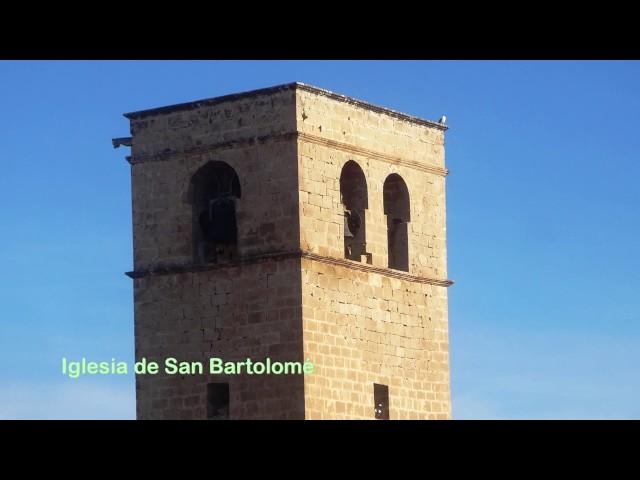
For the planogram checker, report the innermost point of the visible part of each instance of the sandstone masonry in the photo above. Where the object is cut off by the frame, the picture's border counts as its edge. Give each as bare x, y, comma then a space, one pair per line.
264, 225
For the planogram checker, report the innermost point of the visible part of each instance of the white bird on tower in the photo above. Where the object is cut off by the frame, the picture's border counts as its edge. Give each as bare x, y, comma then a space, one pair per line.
443, 119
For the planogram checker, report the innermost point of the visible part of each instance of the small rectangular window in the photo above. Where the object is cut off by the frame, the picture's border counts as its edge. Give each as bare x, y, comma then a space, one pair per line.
381, 401
218, 401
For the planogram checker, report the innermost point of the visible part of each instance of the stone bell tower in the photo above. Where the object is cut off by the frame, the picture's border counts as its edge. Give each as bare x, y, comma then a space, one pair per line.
294, 224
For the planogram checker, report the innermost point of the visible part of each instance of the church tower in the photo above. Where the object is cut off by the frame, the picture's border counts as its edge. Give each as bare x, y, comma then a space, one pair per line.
294, 224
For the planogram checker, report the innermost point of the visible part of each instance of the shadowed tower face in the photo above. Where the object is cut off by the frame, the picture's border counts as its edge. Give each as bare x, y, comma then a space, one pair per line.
290, 224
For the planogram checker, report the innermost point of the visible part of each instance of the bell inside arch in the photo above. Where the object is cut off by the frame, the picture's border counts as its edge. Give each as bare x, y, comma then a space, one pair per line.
352, 223
218, 222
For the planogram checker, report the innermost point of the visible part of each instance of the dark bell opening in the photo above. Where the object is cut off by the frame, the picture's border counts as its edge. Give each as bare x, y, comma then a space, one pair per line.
353, 222
353, 191
215, 193
218, 222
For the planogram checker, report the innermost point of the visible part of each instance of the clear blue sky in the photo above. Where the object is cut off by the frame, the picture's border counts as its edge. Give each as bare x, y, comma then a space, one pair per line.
543, 224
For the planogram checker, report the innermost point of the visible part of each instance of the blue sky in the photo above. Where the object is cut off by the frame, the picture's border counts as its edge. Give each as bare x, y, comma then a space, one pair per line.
543, 224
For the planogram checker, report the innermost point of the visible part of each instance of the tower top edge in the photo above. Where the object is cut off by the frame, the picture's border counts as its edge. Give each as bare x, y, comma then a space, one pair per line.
140, 114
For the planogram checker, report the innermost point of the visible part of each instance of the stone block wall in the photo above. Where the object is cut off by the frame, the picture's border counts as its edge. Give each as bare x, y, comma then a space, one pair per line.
291, 295
166, 154
365, 324
234, 313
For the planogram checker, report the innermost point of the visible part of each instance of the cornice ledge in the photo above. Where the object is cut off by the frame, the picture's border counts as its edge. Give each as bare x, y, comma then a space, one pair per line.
388, 272
370, 106
251, 141
137, 115
347, 147
193, 268
198, 267
201, 149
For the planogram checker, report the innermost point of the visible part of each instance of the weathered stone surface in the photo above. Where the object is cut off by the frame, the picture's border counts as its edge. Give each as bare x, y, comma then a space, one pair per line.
291, 295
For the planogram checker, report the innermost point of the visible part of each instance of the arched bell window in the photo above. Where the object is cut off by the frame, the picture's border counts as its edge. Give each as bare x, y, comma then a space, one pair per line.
396, 209
215, 191
353, 192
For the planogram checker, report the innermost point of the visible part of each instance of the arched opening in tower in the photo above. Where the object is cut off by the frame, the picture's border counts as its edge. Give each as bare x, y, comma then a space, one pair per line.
353, 193
214, 193
396, 209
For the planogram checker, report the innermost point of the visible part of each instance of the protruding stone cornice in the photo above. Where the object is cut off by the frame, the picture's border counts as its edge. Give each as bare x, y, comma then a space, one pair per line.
365, 152
301, 136
350, 264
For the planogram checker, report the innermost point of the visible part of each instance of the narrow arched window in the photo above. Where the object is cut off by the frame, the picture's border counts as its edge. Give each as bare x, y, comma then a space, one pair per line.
215, 190
353, 193
396, 209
